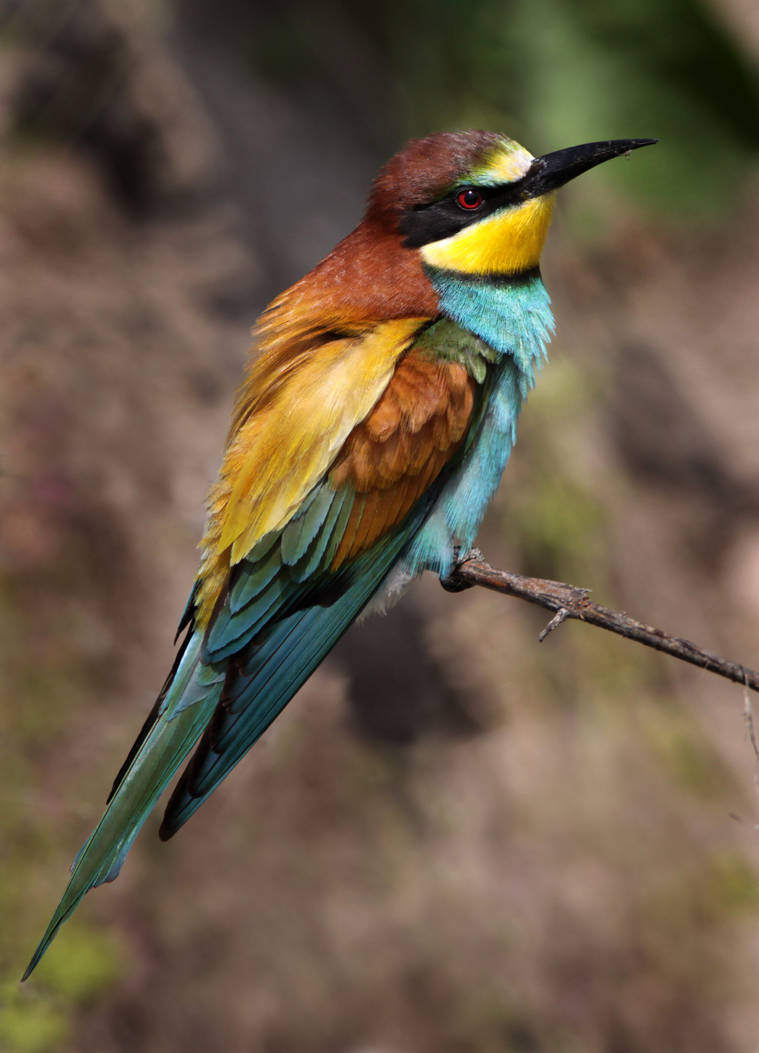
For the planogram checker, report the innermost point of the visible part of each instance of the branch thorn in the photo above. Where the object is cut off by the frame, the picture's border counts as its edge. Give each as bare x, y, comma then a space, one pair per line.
561, 616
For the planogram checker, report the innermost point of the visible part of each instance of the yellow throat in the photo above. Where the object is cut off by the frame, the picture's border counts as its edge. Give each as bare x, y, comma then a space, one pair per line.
505, 243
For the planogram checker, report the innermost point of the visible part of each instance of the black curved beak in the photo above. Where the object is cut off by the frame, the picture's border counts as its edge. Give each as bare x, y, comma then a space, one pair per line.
555, 169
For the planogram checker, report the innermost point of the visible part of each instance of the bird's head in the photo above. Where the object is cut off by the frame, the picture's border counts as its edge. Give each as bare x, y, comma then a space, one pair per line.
477, 202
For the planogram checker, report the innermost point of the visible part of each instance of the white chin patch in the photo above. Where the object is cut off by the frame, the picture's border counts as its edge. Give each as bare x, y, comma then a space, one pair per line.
389, 592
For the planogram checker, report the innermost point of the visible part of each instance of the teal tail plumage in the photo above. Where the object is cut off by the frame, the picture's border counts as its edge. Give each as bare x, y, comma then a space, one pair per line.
181, 713
254, 691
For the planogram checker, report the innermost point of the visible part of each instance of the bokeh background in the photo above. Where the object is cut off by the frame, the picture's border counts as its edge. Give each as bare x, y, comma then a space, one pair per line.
455, 839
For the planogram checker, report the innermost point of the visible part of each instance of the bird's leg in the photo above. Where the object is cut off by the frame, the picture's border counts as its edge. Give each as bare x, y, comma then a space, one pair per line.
453, 584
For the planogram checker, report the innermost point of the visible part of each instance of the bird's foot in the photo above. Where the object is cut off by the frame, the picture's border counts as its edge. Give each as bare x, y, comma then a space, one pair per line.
451, 583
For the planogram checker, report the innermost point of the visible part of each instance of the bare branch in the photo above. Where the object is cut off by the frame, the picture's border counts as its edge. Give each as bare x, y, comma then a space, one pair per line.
568, 601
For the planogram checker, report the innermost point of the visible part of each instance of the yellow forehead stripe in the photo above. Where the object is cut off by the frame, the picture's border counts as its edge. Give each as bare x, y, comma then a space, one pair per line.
509, 163
506, 242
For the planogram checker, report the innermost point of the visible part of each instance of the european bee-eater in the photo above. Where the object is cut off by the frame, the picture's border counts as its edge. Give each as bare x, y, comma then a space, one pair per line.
368, 437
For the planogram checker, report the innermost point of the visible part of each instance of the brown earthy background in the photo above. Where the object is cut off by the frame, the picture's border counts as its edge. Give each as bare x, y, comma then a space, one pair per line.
455, 839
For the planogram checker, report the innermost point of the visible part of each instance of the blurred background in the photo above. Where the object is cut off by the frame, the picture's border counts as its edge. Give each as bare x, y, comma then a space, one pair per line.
455, 839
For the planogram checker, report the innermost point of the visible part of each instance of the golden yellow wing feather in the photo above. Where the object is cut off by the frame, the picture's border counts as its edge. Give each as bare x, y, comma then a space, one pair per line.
293, 417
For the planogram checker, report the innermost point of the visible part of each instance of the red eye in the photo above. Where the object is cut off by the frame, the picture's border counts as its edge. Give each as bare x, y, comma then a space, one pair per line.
469, 198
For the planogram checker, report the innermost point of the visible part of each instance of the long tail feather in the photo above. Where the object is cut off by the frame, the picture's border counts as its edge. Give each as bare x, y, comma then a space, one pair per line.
176, 729
293, 649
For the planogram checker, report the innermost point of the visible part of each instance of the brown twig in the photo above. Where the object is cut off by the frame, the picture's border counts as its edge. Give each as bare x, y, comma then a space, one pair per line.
568, 601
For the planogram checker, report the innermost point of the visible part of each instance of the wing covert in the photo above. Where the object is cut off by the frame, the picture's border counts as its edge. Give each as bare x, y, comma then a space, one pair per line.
294, 415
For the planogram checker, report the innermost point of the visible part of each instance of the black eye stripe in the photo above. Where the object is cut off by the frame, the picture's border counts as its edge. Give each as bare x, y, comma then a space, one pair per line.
440, 219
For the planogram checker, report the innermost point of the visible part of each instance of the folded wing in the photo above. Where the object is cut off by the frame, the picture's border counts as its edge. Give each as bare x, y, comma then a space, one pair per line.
292, 597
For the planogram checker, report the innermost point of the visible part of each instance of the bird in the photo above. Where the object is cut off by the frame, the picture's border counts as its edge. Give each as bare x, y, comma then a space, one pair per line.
377, 414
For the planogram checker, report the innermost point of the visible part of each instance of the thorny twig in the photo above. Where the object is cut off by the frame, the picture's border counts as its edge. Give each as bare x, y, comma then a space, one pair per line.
571, 602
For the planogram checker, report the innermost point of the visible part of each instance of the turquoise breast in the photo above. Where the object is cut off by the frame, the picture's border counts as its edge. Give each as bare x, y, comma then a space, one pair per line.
513, 317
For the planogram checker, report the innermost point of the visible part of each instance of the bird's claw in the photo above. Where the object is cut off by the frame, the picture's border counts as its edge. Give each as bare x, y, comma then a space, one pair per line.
450, 582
